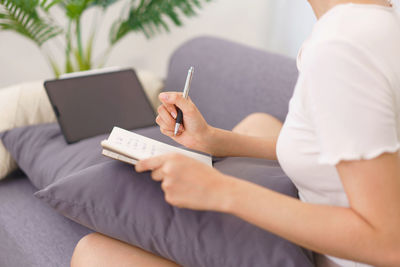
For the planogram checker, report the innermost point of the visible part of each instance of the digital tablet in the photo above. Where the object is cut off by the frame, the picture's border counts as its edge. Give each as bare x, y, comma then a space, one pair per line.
92, 104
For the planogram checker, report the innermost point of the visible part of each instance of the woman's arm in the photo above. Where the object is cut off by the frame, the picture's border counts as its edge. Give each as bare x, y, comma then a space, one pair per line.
223, 143
198, 135
367, 231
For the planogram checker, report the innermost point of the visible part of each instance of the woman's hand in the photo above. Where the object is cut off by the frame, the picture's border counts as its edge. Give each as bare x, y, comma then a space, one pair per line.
188, 183
195, 133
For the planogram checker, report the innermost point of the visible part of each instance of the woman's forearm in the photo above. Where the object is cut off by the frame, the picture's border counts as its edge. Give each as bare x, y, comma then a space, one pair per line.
223, 143
336, 231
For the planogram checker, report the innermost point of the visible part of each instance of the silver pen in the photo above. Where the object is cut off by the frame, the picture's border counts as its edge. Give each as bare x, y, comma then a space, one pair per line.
185, 94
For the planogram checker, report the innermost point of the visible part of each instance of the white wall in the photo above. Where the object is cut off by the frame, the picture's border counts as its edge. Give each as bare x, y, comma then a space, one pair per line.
290, 22
277, 25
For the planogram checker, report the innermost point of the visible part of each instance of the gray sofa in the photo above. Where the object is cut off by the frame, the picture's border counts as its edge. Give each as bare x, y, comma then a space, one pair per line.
240, 79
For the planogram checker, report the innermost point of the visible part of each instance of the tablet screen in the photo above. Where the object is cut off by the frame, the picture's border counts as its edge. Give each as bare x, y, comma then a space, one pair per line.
91, 105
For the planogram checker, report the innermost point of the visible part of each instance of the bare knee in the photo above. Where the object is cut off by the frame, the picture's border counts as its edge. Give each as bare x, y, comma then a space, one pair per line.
259, 124
260, 116
83, 251
99, 250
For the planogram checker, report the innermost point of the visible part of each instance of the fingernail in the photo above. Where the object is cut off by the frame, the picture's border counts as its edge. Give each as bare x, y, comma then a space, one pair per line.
173, 115
164, 96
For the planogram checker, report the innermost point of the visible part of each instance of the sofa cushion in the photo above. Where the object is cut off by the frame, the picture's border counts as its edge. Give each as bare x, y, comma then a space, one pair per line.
31, 233
111, 198
240, 89
232, 80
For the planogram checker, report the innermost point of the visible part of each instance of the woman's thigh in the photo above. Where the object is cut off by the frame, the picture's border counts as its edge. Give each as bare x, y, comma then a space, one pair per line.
99, 250
259, 124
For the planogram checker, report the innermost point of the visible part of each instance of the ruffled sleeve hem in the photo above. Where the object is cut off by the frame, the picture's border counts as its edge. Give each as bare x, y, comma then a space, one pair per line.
335, 159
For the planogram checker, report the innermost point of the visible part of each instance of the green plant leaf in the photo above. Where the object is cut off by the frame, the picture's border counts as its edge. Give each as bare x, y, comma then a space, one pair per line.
103, 3
54, 66
69, 67
149, 17
22, 17
89, 49
75, 8
46, 5
82, 65
29, 6
32, 19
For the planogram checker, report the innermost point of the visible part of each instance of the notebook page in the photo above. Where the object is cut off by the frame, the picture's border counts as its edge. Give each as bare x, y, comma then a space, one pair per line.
140, 147
118, 156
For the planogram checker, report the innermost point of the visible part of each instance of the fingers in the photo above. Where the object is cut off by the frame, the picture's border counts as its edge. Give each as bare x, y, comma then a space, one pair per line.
166, 122
154, 164
176, 98
172, 133
165, 100
165, 119
157, 175
150, 163
159, 165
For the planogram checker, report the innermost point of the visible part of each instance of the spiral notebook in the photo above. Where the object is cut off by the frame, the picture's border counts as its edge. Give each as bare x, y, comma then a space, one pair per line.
130, 147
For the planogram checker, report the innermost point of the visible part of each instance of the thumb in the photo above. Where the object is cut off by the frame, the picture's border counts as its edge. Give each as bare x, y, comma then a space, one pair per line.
176, 98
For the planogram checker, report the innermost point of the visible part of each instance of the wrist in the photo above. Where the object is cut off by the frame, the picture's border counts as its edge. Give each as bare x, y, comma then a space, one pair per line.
207, 139
228, 193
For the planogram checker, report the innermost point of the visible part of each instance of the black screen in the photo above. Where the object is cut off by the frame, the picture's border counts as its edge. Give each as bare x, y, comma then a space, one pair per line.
91, 105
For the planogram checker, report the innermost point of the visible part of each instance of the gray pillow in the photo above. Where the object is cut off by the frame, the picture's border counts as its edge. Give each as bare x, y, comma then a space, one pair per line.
111, 198
42, 153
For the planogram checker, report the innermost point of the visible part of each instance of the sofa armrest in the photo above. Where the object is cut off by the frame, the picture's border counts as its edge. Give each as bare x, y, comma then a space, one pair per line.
232, 80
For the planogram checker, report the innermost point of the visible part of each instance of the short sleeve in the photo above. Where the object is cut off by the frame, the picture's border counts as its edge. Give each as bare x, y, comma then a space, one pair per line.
352, 105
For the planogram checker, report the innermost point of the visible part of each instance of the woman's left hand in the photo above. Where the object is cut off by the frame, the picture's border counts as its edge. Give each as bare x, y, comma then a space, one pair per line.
188, 183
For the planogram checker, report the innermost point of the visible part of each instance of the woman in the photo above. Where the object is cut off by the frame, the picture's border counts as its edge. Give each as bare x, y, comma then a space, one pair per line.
338, 144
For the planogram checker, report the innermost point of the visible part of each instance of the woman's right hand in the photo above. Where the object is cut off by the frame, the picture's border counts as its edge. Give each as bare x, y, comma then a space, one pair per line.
194, 133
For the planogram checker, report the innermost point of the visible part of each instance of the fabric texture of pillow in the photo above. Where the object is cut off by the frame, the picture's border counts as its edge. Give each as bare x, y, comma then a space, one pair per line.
44, 156
111, 198
27, 104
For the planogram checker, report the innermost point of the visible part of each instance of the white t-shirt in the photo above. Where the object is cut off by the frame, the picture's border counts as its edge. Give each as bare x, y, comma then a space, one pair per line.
346, 103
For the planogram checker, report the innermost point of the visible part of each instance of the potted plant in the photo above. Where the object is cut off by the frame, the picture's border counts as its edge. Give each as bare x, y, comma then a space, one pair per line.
35, 20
